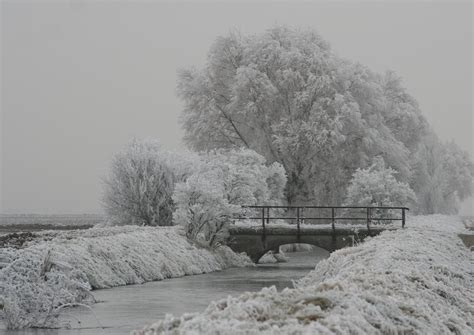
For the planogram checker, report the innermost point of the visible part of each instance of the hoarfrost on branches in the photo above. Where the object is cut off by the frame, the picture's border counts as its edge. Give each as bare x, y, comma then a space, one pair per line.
224, 181
286, 95
377, 186
141, 183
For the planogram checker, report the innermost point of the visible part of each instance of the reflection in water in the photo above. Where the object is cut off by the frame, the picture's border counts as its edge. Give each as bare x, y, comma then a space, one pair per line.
122, 309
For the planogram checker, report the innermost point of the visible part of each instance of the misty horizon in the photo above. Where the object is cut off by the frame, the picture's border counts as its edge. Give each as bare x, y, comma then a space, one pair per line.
79, 80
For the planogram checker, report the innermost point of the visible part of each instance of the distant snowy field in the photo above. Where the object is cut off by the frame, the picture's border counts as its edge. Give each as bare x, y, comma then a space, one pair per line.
16, 222
48, 271
419, 280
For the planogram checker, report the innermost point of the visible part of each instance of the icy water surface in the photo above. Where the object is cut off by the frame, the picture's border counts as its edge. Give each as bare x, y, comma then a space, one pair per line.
126, 308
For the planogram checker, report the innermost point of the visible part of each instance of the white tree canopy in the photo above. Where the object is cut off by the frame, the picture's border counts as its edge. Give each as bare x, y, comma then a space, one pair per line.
286, 95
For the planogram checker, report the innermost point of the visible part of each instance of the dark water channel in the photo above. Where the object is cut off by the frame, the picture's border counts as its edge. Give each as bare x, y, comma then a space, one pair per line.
126, 308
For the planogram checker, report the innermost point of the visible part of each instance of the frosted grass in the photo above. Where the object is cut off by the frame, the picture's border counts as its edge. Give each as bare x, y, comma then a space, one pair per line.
59, 269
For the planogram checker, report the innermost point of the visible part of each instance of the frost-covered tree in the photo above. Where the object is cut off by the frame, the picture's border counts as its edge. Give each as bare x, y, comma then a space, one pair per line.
141, 182
401, 113
377, 186
286, 95
443, 175
224, 181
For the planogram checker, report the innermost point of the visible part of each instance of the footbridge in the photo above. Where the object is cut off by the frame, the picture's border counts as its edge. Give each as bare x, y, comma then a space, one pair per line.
263, 228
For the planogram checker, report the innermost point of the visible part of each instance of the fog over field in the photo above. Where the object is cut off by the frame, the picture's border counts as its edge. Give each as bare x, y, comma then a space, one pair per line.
79, 79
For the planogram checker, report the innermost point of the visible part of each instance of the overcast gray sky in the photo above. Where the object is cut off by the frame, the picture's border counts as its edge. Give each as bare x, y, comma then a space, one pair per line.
79, 79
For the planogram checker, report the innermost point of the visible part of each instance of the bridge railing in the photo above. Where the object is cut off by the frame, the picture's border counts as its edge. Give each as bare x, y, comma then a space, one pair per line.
382, 213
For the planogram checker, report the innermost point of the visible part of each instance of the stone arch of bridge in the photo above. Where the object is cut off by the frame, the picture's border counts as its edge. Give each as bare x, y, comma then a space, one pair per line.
258, 245
275, 246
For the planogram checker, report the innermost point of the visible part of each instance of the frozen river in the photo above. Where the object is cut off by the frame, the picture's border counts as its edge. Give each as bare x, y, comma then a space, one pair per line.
125, 308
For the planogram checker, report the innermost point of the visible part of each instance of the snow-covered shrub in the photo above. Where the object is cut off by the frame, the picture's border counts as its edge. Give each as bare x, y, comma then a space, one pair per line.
223, 182
377, 186
35, 288
202, 207
141, 182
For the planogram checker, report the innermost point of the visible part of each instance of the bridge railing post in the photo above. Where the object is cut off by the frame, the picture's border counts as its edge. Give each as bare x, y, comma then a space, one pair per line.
403, 217
369, 215
268, 215
333, 224
333, 218
298, 221
263, 220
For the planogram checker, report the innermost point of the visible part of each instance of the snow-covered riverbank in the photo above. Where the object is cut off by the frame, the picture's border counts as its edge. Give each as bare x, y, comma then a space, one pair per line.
54, 269
417, 280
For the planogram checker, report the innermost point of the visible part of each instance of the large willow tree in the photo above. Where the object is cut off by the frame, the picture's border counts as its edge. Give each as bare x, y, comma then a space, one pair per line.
286, 95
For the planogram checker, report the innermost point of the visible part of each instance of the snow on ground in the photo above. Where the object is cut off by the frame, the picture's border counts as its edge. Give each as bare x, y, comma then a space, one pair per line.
272, 258
55, 268
419, 280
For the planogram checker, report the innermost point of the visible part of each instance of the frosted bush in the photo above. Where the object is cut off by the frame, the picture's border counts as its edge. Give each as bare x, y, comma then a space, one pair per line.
377, 186
141, 182
202, 208
35, 287
224, 181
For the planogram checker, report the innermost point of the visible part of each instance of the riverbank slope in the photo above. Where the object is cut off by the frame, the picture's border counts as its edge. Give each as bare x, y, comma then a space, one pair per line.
415, 280
42, 273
